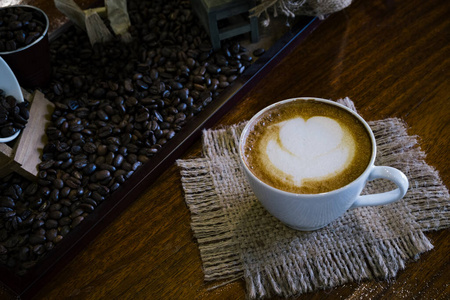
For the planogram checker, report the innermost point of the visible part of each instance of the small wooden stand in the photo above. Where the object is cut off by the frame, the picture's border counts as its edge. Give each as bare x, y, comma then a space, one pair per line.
210, 12
23, 154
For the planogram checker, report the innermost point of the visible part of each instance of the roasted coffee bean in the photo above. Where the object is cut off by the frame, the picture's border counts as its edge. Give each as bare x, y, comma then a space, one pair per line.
77, 212
56, 215
98, 92
8, 131
63, 156
54, 195
81, 164
49, 224
102, 150
51, 234
65, 221
142, 117
24, 253
46, 164
39, 249
113, 140
54, 207
89, 169
86, 207
90, 147
73, 182
15, 25
7, 202
76, 127
258, 52
28, 221
10, 45
99, 160
44, 206
102, 115
108, 167
101, 175
3, 250
170, 134
65, 229
66, 164
77, 175
37, 239
113, 148
76, 221
58, 183
49, 246
128, 85
97, 196
104, 131
31, 37
64, 192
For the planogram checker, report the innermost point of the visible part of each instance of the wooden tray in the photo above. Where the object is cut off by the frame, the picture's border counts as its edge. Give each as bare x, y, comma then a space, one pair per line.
29, 284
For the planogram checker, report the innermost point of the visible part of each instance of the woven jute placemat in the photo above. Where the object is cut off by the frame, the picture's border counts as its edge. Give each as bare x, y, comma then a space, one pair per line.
238, 238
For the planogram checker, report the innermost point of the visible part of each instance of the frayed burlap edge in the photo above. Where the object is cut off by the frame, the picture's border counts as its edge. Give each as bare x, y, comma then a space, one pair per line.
290, 8
218, 245
220, 250
299, 273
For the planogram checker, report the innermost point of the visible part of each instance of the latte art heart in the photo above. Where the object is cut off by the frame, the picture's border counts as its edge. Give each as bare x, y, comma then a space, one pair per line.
316, 148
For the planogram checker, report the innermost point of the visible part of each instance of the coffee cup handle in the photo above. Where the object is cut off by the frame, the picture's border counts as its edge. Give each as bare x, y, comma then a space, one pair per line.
391, 174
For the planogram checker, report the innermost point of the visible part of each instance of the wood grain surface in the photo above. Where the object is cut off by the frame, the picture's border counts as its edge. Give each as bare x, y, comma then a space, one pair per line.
392, 58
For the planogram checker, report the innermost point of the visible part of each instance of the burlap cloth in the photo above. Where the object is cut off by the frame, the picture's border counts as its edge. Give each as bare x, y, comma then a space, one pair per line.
238, 238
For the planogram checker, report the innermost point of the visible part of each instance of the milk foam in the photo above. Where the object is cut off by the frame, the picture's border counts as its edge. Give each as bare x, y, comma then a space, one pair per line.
316, 149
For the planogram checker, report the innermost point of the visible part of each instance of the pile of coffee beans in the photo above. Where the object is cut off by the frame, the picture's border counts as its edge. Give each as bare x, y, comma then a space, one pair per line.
19, 27
116, 106
13, 115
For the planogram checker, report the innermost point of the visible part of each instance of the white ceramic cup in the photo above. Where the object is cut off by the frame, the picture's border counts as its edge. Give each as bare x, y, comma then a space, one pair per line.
10, 86
313, 211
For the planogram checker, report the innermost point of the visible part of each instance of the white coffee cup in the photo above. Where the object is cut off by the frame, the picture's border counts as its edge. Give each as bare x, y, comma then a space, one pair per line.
313, 211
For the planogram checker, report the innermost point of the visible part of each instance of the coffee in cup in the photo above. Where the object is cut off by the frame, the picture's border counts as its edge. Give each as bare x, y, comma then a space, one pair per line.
307, 147
307, 161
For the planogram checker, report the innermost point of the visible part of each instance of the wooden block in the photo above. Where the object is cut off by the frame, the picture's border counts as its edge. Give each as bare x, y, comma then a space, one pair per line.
23, 155
33, 138
211, 11
6, 160
6, 153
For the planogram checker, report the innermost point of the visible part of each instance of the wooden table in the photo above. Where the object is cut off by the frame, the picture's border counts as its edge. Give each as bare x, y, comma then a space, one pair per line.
392, 59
